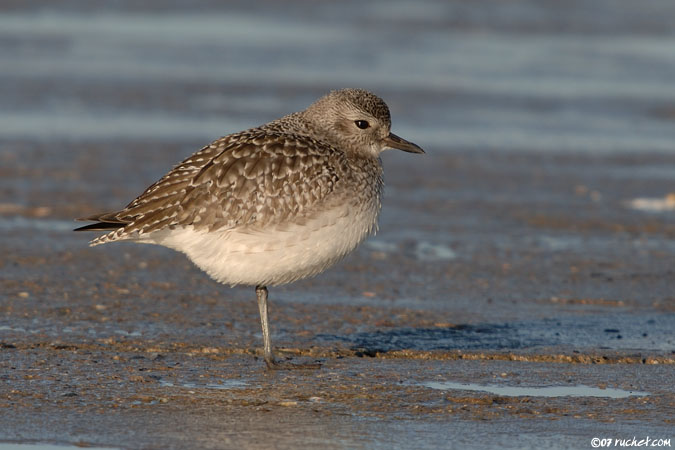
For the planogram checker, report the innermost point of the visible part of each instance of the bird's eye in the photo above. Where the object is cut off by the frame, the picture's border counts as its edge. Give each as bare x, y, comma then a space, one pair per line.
363, 124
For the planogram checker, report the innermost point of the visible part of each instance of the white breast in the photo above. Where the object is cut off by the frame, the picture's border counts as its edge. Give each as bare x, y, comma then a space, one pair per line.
277, 254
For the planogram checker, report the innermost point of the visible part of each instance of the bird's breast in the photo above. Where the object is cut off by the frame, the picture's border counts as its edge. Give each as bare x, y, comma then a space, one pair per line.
282, 252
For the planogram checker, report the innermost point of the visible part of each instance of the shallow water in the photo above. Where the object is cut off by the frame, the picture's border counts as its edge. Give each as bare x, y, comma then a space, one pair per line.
541, 78
535, 391
225, 384
16, 446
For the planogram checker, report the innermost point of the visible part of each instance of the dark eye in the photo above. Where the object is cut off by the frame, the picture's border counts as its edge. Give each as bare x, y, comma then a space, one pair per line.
363, 124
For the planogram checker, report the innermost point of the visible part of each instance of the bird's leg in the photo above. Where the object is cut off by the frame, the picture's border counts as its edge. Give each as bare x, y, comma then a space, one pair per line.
261, 292
270, 360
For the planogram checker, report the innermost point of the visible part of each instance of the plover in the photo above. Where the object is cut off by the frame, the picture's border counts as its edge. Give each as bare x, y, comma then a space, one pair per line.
272, 204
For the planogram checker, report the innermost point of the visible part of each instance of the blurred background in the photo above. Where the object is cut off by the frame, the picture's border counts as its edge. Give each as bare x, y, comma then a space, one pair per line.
507, 75
549, 128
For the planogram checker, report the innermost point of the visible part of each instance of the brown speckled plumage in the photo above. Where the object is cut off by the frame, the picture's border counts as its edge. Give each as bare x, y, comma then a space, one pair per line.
266, 175
271, 204
252, 178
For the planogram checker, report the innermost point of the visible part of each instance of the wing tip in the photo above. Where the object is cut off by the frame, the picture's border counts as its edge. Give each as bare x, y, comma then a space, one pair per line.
99, 226
103, 222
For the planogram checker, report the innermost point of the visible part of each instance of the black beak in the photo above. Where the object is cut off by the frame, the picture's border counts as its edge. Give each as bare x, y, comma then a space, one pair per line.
393, 141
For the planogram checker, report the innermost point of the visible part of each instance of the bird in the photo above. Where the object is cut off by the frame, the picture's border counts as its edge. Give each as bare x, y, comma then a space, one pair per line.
272, 204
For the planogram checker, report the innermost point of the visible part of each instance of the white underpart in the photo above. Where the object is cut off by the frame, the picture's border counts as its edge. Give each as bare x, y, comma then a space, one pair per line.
276, 254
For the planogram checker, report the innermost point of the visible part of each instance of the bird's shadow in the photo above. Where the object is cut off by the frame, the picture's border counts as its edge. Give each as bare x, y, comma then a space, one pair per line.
600, 332
459, 337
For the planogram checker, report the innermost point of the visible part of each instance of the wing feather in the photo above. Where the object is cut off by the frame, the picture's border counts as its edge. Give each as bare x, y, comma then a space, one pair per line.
250, 178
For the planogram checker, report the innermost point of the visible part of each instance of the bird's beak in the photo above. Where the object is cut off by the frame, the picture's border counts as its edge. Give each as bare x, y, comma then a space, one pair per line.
393, 141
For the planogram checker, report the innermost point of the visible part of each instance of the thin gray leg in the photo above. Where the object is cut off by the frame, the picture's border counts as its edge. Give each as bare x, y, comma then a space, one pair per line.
261, 292
272, 363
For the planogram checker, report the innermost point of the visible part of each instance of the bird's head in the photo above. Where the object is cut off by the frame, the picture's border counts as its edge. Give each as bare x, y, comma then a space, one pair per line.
355, 121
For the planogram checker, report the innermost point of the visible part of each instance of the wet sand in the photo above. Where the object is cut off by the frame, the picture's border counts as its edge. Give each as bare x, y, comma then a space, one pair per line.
130, 346
497, 265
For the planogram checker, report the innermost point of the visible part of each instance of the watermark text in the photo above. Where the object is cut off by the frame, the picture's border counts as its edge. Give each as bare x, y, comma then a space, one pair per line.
629, 442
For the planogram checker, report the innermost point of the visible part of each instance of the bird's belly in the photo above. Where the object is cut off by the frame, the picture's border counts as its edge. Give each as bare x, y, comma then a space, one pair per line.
276, 254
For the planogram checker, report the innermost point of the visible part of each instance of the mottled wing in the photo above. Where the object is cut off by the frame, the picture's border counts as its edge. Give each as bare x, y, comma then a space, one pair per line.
252, 178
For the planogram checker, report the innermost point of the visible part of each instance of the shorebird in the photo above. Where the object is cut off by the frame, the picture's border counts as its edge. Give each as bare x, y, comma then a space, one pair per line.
272, 204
